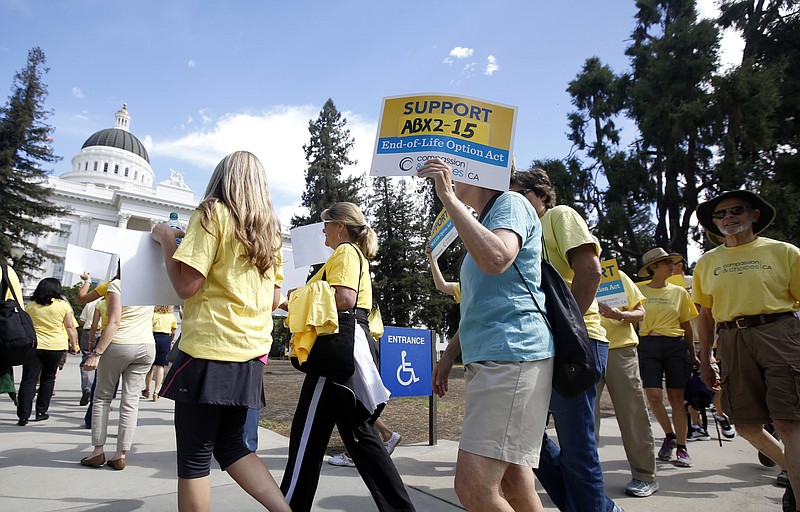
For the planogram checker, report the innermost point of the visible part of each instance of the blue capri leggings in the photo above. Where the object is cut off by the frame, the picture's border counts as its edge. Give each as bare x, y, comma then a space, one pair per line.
203, 430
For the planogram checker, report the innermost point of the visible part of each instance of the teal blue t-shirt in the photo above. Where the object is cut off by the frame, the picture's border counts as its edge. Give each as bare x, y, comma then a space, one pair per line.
499, 321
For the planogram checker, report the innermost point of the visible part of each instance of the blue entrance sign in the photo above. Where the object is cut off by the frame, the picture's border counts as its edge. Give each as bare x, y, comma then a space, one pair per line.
406, 361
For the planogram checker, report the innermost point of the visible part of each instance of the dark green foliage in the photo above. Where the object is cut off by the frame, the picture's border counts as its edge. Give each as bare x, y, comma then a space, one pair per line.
327, 154
24, 152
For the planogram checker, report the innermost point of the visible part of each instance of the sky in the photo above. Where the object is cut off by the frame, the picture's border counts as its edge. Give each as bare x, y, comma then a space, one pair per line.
204, 78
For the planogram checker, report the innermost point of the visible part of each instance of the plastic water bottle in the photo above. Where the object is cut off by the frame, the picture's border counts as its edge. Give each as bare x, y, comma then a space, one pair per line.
175, 223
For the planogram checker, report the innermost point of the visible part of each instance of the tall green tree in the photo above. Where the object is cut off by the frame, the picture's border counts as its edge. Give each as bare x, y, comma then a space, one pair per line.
25, 152
327, 153
398, 284
673, 58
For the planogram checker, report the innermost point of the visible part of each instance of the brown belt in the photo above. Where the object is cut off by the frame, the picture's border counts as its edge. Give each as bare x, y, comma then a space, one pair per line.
743, 322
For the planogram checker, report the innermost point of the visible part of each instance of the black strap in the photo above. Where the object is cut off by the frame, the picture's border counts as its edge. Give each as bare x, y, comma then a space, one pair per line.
488, 206
7, 285
360, 264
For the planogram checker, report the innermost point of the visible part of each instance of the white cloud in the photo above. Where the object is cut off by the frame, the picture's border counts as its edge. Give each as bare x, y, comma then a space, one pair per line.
204, 115
78, 93
276, 137
192, 63
458, 52
491, 65
731, 44
81, 117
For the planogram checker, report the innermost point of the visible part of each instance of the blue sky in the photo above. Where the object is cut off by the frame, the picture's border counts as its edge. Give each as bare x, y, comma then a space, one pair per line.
204, 78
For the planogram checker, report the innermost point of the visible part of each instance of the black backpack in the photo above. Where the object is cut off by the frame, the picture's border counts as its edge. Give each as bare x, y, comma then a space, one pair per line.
17, 336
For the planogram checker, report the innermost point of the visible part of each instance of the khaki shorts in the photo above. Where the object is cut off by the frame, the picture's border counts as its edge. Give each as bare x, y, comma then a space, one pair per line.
506, 409
761, 374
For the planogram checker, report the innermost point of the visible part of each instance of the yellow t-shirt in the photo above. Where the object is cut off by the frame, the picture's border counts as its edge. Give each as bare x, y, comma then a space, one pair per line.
342, 269
102, 307
622, 334
230, 317
48, 322
760, 277
135, 322
164, 322
457, 292
14, 280
563, 229
666, 308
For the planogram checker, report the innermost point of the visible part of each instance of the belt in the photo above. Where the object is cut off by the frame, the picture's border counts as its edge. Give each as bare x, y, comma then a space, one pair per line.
743, 322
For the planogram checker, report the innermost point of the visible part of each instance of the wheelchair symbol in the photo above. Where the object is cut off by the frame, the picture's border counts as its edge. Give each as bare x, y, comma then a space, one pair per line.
405, 367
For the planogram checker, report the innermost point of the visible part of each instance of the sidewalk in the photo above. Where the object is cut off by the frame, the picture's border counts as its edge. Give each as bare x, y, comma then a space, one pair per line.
39, 469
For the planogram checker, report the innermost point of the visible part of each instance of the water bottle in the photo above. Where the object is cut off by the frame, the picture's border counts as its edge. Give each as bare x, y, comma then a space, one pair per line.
175, 223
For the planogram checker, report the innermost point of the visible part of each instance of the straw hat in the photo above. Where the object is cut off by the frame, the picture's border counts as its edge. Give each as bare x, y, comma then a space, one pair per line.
706, 209
654, 256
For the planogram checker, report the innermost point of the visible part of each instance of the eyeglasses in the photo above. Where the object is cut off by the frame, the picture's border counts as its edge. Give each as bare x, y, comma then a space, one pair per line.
734, 210
326, 222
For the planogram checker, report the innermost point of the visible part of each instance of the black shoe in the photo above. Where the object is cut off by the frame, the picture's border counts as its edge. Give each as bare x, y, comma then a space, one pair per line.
42, 416
84, 398
22, 423
788, 502
782, 480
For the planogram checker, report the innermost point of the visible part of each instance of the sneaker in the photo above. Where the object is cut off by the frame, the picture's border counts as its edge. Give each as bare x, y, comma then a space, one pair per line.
728, 432
669, 444
85, 397
683, 459
782, 480
698, 434
341, 460
641, 489
392, 442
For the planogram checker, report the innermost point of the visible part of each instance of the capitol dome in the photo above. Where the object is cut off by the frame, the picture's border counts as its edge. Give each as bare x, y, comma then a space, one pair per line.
112, 157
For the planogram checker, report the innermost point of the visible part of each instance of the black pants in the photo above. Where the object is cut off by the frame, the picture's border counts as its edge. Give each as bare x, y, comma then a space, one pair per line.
43, 367
321, 405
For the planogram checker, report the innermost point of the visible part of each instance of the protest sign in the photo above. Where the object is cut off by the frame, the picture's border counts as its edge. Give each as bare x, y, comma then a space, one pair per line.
308, 245
611, 292
442, 234
79, 260
475, 137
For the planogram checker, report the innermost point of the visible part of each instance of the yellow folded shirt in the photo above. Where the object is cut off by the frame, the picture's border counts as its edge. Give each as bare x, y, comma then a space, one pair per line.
312, 311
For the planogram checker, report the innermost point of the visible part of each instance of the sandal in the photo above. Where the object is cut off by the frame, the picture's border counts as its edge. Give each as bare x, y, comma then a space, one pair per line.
145, 393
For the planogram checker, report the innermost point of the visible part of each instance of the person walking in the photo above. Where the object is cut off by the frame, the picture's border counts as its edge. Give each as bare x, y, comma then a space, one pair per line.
228, 269
164, 325
54, 324
748, 288
666, 350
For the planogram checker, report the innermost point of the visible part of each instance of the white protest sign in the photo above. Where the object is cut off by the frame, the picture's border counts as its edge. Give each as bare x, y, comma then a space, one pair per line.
442, 234
308, 245
475, 137
292, 277
143, 274
79, 260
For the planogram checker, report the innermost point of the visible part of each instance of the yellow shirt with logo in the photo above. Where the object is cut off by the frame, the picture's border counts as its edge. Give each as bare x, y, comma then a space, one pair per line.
164, 322
622, 334
564, 229
135, 322
665, 309
342, 269
48, 322
230, 317
759, 277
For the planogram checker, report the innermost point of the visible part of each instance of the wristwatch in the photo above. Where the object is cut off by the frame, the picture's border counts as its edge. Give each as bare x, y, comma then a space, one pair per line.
96, 353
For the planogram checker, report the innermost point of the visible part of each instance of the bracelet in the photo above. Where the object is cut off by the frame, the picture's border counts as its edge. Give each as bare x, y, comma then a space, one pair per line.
96, 353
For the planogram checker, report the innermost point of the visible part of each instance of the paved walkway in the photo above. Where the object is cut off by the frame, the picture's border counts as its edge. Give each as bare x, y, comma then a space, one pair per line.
39, 469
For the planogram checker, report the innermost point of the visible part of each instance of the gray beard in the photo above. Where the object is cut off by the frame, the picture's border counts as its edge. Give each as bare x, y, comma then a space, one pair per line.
736, 230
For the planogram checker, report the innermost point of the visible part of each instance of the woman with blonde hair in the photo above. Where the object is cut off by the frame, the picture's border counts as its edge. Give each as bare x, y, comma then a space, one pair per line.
355, 404
228, 268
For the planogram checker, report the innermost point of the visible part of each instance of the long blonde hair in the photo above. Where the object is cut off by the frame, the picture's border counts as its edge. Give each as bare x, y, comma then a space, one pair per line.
353, 220
163, 309
240, 183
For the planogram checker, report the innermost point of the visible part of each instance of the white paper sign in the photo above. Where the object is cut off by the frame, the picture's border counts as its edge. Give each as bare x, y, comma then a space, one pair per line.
308, 245
292, 277
143, 274
79, 260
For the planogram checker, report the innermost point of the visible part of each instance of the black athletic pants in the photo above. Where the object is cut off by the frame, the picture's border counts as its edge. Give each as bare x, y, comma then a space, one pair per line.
321, 405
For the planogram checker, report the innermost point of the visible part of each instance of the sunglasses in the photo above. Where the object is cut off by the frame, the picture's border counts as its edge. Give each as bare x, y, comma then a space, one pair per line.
326, 222
734, 210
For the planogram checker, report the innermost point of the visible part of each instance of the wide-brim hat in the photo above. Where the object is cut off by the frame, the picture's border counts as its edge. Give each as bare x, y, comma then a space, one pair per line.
654, 256
706, 209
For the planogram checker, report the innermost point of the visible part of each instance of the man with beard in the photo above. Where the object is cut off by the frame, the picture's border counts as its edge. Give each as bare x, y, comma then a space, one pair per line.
749, 287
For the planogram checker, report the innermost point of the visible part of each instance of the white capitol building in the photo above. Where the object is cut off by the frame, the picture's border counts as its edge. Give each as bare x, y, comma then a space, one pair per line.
111, 183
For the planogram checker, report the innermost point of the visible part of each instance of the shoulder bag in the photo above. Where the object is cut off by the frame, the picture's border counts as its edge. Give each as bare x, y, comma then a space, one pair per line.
331, 355
17, 336
574, 363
